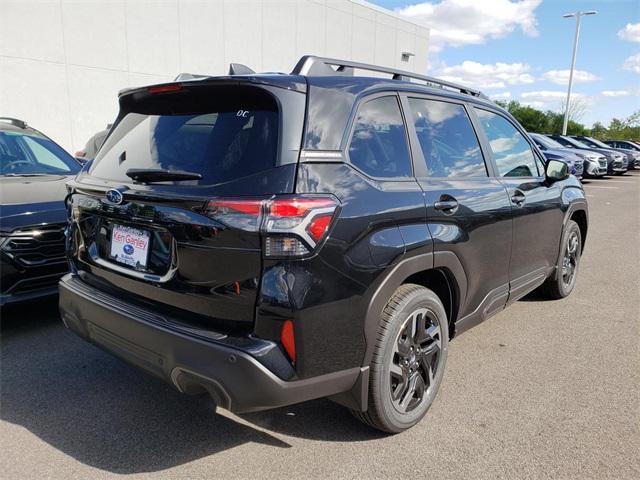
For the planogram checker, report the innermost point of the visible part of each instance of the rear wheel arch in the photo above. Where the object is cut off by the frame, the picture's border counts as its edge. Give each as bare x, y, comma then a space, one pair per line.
448, 282
443, 283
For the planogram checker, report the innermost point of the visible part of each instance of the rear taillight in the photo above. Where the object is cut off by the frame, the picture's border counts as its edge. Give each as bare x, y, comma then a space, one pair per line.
244, 214
292, 226
169, 87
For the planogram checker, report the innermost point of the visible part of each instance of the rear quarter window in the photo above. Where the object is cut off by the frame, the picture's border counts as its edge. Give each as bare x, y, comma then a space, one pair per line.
378, 144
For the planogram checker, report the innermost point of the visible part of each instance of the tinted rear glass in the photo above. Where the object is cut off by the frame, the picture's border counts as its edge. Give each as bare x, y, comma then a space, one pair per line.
232, 137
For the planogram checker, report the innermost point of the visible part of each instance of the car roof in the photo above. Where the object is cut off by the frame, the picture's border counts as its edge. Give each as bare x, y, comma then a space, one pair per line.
12, 124
15, 125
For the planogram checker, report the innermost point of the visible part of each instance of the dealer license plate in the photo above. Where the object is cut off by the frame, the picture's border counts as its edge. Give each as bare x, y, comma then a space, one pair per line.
129, 246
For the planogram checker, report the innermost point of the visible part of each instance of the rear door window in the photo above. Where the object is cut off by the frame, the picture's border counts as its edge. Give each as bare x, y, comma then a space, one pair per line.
229, 138
511, 151
447, 139
379, 142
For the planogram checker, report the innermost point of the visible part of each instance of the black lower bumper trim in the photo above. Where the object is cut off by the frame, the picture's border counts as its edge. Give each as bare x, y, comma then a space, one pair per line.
28, 295
235, 379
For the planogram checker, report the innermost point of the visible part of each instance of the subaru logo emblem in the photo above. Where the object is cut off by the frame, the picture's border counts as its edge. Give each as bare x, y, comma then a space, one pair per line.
114, 196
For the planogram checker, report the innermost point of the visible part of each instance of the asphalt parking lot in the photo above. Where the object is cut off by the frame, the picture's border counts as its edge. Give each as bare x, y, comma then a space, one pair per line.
542, 390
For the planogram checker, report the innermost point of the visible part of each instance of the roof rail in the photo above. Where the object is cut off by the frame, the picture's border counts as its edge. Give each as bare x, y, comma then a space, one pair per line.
313, 66
14, 121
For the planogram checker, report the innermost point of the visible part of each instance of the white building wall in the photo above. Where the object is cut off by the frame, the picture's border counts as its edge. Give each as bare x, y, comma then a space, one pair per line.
62, 62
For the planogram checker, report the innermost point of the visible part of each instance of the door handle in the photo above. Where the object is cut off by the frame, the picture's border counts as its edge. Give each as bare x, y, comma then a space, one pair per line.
518, 197
447, 205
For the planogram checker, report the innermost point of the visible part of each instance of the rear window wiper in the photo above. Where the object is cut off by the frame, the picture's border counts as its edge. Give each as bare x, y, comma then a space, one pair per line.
148, 175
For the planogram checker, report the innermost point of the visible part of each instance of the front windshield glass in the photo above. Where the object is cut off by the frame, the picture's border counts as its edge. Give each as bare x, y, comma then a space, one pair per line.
577, 143
597, 143
32, 154
548, 142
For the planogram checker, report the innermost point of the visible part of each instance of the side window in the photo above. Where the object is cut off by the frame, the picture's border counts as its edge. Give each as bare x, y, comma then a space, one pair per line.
447, 139
379, 143
511, 151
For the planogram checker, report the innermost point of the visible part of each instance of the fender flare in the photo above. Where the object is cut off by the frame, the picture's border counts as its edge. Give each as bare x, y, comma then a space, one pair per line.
357, 397
579, 204
384, 289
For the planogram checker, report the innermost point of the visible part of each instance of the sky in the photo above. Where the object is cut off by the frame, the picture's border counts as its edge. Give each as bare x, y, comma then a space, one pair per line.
521, 50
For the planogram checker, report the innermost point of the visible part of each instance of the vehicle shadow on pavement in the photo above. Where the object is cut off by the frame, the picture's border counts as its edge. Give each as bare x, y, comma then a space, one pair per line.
535, 296
109, 415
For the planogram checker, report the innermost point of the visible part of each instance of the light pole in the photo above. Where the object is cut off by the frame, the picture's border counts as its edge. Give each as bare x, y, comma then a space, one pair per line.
578, 15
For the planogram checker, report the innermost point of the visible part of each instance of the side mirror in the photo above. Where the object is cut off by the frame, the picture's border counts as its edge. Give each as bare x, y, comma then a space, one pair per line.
557, 170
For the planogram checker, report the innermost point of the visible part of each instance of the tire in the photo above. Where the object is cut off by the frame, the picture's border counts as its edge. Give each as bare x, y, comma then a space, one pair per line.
560, 285
409, 358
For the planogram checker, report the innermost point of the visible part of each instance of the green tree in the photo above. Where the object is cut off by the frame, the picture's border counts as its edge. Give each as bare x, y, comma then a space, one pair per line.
599, 131
532, 119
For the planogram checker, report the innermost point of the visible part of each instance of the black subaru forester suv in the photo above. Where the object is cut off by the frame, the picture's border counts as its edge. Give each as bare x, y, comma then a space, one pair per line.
270, 239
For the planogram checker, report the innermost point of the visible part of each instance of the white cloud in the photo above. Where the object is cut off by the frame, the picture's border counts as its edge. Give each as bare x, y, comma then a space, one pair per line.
487, 75
561, 77
616, 93
535, 103
501, 96
545, 95
630, 33
632, 63
548, 99
455, 23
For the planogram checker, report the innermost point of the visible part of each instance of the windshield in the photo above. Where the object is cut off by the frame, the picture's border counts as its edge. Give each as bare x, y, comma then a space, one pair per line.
576, 143
547, 142
595, 143
234, 136
24, 154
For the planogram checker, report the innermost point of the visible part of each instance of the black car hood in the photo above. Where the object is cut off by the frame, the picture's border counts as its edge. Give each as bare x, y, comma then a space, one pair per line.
32, 201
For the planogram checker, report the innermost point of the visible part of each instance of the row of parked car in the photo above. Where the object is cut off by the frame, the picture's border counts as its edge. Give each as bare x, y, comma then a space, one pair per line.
588, 157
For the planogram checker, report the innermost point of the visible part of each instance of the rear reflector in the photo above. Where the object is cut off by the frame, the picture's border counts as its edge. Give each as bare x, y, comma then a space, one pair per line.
287, 337
171, 87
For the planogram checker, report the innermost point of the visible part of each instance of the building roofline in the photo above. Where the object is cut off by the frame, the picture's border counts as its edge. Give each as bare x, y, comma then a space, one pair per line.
391, 13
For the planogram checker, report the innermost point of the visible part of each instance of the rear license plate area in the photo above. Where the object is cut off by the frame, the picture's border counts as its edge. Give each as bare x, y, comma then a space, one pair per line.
129, 246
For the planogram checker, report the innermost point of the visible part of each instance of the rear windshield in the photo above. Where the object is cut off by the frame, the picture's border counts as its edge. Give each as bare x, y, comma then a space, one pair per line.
226, 138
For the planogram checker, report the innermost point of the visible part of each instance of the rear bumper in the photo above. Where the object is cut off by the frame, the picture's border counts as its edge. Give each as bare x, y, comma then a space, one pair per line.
235, 379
